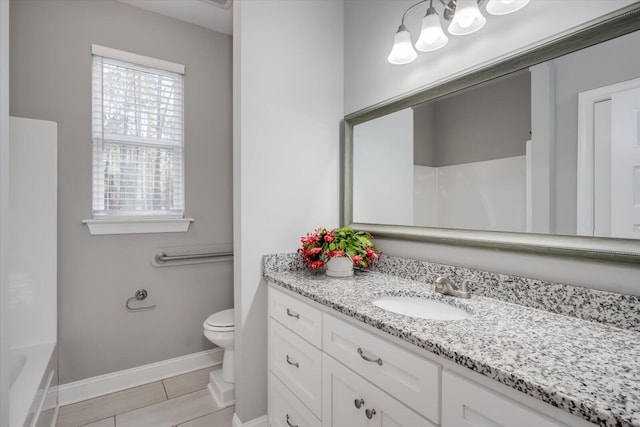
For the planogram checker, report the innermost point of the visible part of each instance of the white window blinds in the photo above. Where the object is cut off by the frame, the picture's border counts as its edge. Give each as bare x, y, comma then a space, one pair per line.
138, 136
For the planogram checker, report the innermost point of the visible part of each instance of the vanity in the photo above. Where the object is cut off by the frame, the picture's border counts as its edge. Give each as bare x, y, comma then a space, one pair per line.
336, 359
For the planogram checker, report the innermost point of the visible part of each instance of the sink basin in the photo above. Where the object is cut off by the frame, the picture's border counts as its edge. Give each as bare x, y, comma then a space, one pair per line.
422, 308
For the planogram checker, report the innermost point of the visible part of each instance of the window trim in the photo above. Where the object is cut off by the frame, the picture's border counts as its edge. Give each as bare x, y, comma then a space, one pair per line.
113, 224
135, 58
137, 225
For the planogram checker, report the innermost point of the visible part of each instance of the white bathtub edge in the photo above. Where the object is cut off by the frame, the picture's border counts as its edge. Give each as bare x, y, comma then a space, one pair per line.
117, 381
25, 388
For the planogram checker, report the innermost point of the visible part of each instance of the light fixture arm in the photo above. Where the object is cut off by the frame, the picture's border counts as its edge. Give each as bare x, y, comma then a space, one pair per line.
404, 15
449, 8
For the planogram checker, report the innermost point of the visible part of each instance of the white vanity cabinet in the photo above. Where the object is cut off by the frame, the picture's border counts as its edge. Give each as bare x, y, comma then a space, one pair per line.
327, 371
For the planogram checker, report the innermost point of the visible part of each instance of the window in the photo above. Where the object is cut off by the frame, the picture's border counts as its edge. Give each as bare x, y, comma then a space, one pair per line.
138, 136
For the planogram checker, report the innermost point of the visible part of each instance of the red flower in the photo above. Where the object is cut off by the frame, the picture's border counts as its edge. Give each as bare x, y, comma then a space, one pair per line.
356, 259
314, 251
309, 240
335, 253
316, 264
329, 238
372, 254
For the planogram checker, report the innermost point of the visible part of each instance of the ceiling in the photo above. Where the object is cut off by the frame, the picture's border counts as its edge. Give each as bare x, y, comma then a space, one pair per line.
205, 13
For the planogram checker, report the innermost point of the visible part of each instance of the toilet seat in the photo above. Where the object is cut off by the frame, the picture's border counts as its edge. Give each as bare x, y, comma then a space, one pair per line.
221, 321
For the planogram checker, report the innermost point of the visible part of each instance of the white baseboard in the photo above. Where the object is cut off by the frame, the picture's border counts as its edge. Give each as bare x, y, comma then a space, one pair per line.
262, 421
121, 380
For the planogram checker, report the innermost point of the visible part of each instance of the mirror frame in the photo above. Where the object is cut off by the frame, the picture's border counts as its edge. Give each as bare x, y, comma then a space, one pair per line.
608, 27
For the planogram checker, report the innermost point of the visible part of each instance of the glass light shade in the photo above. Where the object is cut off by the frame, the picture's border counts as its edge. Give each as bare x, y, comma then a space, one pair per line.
467, 18
431, 36
402, 51
504, 7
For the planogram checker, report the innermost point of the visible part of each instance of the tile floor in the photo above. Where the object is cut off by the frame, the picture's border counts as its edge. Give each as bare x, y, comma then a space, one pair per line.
182, 401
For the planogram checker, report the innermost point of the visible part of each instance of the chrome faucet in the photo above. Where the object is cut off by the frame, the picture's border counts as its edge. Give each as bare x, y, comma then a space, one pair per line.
447, 287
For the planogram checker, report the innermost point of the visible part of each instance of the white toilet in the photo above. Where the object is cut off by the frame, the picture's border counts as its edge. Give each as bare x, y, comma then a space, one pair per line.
219, 329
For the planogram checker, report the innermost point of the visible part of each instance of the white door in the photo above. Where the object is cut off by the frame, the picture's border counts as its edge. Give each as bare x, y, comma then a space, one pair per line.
602, 169
608, 202
625, 161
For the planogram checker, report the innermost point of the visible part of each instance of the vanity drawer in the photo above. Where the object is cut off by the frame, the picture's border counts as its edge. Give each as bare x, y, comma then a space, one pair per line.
297, 364
285, 409
409, 378
468, 404
296, 315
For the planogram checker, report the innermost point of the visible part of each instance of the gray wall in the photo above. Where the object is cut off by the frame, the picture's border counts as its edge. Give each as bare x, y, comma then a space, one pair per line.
424, 130
51, 80
5, 368
491, 121
607, 63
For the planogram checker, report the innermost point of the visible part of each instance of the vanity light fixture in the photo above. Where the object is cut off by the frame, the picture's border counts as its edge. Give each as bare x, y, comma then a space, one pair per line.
504, 7
465, 18
432, 37
402, 52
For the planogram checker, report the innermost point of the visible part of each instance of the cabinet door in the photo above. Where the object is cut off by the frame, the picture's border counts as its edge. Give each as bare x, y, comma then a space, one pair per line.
344, 390
468, 404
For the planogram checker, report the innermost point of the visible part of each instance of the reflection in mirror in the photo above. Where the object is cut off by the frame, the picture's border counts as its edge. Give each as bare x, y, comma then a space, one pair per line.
550, 149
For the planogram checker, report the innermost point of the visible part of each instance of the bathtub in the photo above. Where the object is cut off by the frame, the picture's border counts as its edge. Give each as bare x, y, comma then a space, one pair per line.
32, 399
32, 272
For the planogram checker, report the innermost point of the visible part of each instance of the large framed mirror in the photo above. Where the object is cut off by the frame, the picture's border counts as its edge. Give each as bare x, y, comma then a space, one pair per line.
539, 152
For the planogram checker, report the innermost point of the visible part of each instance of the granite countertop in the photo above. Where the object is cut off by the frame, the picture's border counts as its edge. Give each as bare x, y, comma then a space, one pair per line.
588, 369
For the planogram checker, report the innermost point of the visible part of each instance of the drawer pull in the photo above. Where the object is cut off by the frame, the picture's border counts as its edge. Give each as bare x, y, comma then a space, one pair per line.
358, 403
289, 422
361, 353
296, 364
370, 413
292, 314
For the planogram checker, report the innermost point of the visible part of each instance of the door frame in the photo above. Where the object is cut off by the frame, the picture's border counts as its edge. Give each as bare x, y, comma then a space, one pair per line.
586, 147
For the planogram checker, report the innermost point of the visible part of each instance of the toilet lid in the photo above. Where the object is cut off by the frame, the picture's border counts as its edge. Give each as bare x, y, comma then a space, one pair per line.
221, 319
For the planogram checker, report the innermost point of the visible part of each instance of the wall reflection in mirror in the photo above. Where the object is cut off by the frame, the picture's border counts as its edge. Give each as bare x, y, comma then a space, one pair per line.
550, 149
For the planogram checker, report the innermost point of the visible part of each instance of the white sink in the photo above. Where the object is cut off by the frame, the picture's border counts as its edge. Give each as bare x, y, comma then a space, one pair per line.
422, 308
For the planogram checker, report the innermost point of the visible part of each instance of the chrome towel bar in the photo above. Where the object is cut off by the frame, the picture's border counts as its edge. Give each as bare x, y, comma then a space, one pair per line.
140, 295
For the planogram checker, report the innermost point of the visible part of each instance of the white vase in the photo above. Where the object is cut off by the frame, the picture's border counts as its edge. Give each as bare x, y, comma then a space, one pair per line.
340, 267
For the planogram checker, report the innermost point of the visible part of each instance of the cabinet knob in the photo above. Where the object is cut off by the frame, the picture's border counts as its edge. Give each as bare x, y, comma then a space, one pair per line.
358, 403
289, 422
370, 413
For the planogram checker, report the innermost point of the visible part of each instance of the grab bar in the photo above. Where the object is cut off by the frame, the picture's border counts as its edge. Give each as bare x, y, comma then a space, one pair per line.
162, 257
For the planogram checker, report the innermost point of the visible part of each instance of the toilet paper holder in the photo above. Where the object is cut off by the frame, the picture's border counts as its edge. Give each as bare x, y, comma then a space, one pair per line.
140, 295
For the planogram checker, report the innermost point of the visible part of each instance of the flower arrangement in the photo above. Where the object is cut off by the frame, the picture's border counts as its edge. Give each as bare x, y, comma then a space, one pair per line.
322, 245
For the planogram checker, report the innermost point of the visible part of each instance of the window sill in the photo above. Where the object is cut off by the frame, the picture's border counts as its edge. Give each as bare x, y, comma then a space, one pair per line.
137, 225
